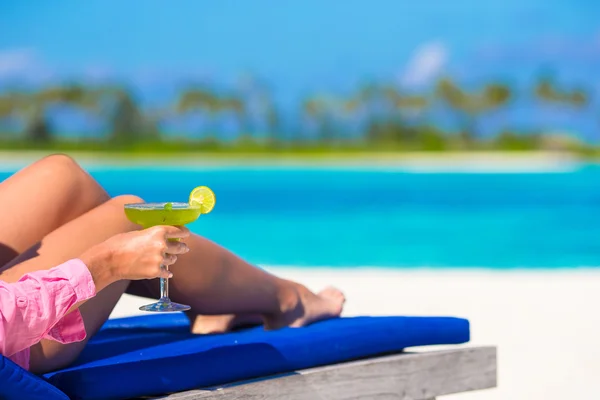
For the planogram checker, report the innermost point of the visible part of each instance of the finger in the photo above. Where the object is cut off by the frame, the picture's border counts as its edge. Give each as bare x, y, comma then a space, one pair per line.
177, 248
164, 273
169, 259
176, 232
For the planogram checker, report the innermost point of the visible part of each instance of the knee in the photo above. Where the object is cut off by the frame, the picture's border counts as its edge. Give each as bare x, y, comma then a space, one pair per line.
60, 163
63, 169
73, 181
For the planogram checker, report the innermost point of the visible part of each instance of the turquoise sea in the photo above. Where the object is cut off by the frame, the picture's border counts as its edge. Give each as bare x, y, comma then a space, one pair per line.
352, 218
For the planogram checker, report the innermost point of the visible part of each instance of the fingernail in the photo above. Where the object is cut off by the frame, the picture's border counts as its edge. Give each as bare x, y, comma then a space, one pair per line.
170, 274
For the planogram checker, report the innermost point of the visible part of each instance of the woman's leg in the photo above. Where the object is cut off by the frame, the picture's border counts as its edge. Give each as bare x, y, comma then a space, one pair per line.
66, 242
213, 281
40, 198
51, 192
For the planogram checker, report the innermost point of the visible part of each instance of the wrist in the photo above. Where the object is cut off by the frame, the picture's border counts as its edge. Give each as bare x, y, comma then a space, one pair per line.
98, 261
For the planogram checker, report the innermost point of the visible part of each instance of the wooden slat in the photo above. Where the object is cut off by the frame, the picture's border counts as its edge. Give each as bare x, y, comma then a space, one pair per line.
406, 376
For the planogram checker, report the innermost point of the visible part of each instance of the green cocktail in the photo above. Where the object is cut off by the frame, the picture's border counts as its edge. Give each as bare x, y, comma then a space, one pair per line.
152, 214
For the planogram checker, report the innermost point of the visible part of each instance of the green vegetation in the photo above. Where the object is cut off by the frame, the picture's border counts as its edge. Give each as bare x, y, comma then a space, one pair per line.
390, 119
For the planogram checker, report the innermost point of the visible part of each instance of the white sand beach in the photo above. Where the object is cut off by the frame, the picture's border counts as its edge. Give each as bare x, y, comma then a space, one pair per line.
545, 324
415, 162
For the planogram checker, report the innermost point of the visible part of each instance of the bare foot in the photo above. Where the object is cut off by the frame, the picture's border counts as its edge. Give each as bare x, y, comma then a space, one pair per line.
210, 324
301, 307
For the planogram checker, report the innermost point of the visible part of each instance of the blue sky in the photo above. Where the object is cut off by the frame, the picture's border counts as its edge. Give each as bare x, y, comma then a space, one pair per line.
299, 47
293, 43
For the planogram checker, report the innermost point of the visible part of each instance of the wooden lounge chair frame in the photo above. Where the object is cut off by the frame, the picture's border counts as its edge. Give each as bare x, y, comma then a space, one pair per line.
405, 376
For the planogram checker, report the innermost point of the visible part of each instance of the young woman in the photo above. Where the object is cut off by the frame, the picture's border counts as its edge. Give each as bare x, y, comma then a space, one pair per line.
56, 217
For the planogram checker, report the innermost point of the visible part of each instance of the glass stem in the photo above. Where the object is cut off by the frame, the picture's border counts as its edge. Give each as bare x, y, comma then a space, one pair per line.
164, 287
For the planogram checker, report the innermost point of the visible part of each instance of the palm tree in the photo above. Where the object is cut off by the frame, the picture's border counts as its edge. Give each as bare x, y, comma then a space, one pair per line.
404, 102
128, 123
235, 104
387, 109
579, 97
30, 107
25, 107
212, 104
546, 90
469, 106
194, 99
201, 100
496, 95
320, 109
273, 122
451, 94
259, 93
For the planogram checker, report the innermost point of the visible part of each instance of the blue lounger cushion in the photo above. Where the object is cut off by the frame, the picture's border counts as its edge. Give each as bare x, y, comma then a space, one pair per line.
16, 383
155, 354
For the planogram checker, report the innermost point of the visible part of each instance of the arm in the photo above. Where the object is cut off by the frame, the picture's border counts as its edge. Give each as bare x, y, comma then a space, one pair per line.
31, 308
43, 304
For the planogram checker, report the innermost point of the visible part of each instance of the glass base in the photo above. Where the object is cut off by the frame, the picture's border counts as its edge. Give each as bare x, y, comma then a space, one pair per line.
165, 305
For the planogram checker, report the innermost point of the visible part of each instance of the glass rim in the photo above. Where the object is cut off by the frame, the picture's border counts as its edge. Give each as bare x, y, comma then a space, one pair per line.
161, 206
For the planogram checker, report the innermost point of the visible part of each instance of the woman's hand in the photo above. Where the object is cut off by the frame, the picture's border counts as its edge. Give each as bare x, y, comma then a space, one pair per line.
135, 255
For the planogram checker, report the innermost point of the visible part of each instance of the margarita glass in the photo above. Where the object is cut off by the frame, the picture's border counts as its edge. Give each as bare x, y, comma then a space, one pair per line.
151, 214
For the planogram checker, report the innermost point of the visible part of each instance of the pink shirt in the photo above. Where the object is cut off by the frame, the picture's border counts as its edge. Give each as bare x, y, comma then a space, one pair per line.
35, 308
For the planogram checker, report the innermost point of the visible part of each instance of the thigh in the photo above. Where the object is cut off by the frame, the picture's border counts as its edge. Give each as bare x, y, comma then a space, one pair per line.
67, 242
41, 197
48, 355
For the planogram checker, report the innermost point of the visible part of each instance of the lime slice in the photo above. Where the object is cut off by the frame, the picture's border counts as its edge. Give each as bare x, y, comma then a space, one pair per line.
204, 197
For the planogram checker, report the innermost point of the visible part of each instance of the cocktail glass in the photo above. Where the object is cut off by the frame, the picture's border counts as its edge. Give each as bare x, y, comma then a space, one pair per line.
152, 214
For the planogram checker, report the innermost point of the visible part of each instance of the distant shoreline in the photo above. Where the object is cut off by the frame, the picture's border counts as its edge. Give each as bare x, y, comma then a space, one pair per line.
394, 161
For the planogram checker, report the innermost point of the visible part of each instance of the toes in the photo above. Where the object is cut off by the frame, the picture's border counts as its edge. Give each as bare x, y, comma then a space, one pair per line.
335, 299
329, 291
328, 303
332, 293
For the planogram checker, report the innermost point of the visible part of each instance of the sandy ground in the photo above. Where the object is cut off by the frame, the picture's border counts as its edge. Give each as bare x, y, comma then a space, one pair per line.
482, 162
545, 324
